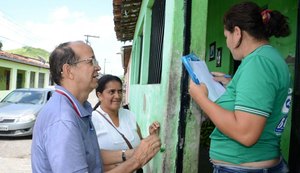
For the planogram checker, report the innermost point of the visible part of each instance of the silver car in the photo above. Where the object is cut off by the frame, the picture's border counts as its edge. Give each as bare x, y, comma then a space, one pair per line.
19, 109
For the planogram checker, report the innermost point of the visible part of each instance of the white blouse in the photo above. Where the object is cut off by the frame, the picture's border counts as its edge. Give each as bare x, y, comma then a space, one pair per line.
108, 137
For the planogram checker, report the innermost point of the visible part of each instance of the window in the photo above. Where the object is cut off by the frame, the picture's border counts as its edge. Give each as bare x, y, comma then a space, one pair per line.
41, 80
32, 79
20, 78
156, 43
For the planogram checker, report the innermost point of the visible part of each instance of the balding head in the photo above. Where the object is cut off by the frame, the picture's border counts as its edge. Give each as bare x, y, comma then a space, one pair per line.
65, 53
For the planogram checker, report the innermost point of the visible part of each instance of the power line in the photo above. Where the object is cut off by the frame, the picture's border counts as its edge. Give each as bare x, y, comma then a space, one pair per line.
8, 23
13, 40
11, 20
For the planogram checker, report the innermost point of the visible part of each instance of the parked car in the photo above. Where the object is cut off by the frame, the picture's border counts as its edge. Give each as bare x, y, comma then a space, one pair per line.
19, 109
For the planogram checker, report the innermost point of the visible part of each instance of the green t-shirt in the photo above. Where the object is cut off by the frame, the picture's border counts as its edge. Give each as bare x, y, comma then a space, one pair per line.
260, 86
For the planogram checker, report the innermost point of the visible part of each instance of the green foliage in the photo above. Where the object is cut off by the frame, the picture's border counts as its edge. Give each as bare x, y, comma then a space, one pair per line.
31, 52
206, 129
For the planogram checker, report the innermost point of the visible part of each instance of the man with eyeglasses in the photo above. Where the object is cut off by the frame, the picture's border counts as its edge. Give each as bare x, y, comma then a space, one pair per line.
64, 139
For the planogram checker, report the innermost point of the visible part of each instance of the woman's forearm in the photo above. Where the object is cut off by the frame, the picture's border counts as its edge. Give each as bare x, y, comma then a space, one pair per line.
115, 156
241, 126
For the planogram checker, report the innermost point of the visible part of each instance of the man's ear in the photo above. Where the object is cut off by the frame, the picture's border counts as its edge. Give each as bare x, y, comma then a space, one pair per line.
67, 71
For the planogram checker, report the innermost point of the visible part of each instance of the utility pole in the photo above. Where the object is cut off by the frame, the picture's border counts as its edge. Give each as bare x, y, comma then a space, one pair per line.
104, 65
87, 38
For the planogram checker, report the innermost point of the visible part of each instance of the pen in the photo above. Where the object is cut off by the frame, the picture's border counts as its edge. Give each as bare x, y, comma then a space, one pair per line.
217, 74
227, 76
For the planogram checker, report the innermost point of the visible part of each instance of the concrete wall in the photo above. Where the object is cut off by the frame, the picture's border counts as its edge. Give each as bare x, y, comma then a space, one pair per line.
22, 69
160, 102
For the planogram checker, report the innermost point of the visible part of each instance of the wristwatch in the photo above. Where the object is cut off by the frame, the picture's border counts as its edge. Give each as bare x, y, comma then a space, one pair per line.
123, 155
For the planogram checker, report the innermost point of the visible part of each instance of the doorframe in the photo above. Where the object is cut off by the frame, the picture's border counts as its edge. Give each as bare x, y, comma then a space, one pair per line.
294, 151
184, 98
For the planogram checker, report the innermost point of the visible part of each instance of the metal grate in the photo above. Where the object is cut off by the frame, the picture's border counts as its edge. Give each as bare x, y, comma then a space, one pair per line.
140, 59
156, 44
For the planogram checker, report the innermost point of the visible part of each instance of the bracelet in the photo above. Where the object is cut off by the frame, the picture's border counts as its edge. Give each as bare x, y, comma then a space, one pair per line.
123, 155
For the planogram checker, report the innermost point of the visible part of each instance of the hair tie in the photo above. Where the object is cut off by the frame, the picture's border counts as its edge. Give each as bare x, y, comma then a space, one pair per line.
266, 16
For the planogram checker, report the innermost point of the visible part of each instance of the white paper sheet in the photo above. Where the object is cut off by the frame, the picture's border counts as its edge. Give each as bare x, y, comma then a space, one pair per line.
215, 89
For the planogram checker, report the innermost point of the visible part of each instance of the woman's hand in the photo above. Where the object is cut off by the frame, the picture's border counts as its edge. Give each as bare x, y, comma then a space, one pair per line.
146, 150
197, 91
221, 77
154, 128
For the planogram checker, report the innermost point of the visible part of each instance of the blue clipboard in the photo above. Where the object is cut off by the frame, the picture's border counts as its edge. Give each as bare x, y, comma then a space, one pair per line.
186, 62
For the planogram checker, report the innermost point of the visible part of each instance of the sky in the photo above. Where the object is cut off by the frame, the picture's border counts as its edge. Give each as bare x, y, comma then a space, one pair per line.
47, 23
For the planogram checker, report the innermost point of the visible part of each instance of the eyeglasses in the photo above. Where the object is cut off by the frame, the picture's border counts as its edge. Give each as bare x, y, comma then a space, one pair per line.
92, 60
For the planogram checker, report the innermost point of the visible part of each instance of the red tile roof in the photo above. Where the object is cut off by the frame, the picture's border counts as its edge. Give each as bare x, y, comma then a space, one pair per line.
23, 59
125, 17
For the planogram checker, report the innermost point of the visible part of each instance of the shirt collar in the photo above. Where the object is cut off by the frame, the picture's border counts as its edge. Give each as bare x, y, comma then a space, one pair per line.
84, 110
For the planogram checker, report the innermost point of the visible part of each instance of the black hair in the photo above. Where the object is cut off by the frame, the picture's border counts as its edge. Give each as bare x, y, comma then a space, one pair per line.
126, 106
102, 84
247, 16
62, 54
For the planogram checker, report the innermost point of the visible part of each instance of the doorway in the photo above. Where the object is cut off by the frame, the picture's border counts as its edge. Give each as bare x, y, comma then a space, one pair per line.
294, 151
7, 79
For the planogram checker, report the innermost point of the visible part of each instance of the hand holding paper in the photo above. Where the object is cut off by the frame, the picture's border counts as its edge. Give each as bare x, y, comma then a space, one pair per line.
221, 77
220, 74
198, 71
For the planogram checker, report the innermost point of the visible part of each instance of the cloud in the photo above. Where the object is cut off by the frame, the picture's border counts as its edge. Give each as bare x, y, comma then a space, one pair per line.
61, 14
64, 25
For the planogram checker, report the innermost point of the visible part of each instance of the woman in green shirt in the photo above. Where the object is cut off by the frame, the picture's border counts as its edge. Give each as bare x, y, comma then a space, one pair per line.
251, 114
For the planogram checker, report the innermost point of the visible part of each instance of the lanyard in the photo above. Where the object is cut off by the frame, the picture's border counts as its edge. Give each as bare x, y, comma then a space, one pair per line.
68, 97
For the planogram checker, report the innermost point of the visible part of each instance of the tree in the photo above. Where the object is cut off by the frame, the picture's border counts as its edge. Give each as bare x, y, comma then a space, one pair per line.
1, 45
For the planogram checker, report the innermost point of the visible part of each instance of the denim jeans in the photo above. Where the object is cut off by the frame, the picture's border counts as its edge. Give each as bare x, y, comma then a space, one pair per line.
281, 167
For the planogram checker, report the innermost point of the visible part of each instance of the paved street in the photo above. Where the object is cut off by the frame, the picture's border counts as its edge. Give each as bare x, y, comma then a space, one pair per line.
15, 152
15, 155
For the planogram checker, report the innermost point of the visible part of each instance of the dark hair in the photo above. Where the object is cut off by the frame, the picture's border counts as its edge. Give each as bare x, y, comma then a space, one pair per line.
102, 84
247, 16
62, 54
126, 106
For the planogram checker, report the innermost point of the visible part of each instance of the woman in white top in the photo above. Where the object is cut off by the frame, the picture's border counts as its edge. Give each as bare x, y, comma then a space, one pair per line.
109, 119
